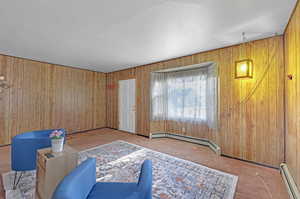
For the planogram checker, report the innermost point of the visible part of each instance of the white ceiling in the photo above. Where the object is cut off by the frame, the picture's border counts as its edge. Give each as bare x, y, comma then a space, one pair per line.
109, 35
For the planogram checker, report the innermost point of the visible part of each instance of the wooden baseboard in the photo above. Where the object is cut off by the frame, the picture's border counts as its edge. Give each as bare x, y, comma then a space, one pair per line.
201, 141
252, 162
289, 182
83, 131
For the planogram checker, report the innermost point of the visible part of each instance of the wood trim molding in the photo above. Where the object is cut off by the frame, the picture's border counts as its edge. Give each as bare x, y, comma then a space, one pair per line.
291, 17
289, 182
50, 63
201, 141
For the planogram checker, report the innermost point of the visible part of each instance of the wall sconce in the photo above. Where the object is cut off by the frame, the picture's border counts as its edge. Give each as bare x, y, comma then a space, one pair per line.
3, 83
244, 69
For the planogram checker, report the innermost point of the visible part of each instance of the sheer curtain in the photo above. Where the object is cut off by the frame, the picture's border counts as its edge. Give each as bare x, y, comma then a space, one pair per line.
188, 96
158, 96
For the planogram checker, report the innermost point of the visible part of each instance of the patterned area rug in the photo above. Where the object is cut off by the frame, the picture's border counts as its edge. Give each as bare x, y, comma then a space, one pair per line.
173, 178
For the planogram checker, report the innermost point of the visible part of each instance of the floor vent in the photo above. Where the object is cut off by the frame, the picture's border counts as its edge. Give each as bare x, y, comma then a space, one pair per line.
289, 182
201, 141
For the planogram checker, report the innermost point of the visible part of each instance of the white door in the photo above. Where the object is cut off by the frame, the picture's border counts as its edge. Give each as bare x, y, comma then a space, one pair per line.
127, 105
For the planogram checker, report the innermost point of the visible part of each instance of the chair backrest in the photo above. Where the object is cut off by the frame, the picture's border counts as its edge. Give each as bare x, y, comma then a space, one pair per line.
145, 180
24, 147
78, 183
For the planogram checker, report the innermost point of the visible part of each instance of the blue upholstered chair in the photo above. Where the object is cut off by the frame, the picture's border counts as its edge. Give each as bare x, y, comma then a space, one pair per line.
81, 184
24, 148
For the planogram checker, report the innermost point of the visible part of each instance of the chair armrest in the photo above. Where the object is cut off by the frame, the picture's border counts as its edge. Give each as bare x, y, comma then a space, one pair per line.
145, 180
78, 183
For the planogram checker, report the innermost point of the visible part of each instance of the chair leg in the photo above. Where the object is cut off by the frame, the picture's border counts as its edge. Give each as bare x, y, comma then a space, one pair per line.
17, 179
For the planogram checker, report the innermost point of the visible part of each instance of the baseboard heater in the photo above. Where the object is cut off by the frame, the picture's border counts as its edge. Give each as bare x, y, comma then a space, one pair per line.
201, 141
289, 182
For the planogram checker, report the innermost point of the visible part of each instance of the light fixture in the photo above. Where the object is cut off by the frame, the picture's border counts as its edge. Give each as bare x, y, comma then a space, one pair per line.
3, 83
244, 69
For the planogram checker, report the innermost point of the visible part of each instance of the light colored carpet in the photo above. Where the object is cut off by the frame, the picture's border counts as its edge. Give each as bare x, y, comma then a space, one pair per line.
173, 178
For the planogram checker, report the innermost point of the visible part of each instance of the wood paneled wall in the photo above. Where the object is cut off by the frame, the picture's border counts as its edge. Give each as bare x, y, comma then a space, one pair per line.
252, 131
292, 92
44, 96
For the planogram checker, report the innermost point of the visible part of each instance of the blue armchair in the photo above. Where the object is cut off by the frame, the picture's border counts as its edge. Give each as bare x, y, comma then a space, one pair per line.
81, 184
24, 148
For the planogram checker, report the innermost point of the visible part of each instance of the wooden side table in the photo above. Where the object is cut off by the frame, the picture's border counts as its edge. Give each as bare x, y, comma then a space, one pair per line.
52, 168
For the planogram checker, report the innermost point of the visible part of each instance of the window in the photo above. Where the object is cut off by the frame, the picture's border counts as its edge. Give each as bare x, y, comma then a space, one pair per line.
185, 96
157, 100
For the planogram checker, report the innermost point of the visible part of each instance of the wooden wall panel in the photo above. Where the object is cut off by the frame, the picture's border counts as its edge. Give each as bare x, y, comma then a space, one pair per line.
3, 107
46, 96
143, 100
25, 101
251, 131
99, 108
292, 93
73, 101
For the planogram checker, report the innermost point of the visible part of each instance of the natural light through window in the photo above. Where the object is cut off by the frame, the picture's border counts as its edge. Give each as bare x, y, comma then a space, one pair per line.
184, 96
186, 99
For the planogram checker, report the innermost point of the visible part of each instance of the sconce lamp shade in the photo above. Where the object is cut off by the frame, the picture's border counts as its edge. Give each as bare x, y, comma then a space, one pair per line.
244, 69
